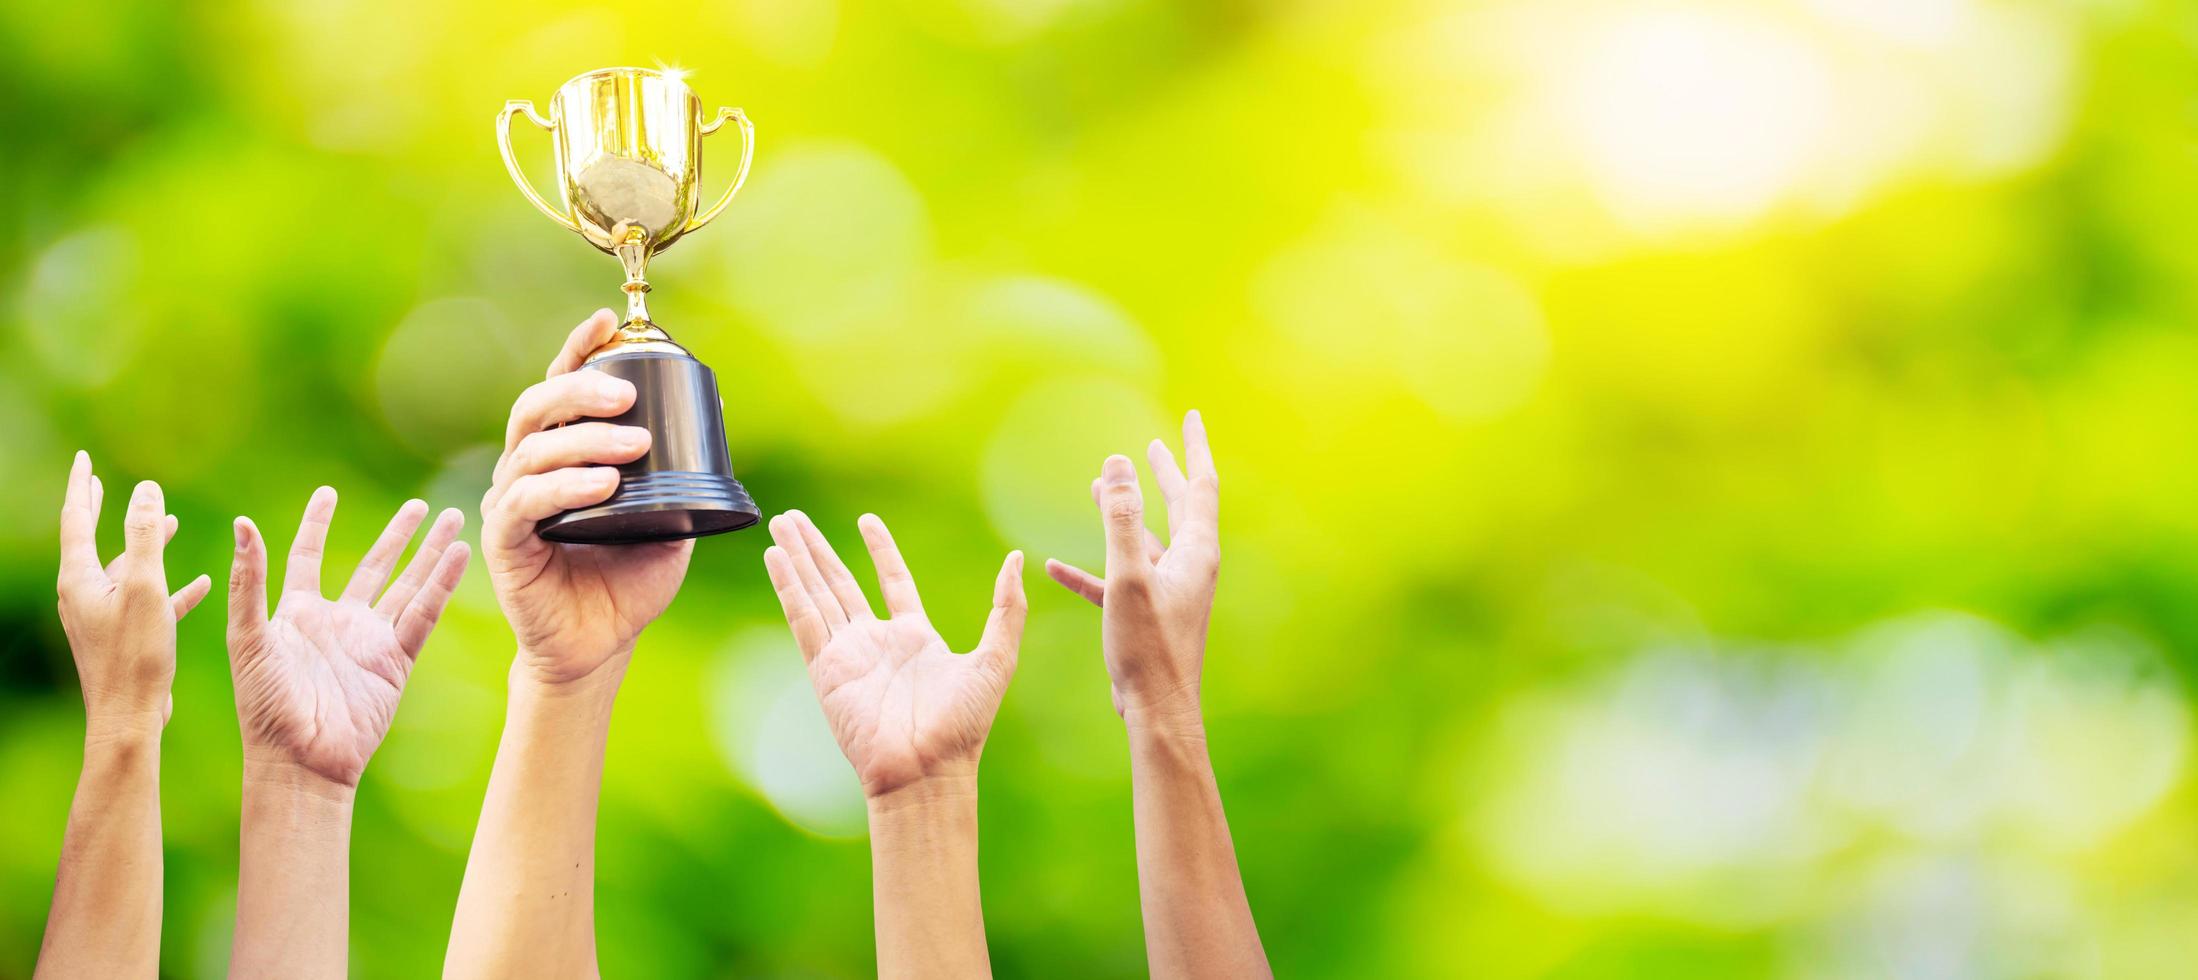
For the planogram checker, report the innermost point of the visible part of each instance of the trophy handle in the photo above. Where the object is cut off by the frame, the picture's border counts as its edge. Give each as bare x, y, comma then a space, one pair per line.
511, 163
747, 152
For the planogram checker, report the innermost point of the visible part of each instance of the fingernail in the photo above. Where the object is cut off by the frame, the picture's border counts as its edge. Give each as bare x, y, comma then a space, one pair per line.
1118, 472
633, 436
238, 526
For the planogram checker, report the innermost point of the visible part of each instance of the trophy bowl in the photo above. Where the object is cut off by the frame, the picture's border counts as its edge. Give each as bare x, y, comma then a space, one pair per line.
628, 152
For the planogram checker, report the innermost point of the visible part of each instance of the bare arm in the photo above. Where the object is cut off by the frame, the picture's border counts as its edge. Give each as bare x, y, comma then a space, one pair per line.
1197, 919
106, 894
1155, 602
293, 874
527, 907
121, 624
912, 717
317, 687
923, 870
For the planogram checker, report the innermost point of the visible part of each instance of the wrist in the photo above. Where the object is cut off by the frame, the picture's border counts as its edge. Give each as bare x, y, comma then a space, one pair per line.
581, 706
1166, 719
123, 728
1175, 713
531, 675
273, 773
944, 792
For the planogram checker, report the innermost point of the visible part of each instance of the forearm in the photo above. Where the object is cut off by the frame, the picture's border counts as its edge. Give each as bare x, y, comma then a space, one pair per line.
293, 873
527, 906
1198, 922
923, 854
105, 919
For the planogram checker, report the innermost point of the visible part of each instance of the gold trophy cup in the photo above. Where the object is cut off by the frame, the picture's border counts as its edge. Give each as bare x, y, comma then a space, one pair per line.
629, 166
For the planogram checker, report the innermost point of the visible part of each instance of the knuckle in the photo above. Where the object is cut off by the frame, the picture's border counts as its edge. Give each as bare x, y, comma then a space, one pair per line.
516, 490
526, 410
523, 457
532, 396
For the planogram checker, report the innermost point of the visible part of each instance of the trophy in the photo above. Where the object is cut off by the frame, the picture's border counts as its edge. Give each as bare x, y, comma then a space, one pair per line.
629, 166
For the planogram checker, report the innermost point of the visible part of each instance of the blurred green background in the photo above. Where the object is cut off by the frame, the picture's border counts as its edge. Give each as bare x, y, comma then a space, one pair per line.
1708, 486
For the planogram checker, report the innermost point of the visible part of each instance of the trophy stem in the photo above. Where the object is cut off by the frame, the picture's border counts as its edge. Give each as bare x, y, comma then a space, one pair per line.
635, 257
639, 333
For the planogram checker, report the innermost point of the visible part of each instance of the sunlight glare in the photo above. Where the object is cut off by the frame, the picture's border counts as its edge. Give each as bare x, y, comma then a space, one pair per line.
1687, 118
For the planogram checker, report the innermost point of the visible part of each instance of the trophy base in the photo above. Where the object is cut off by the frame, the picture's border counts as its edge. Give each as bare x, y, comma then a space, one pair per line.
684, 486
657, 507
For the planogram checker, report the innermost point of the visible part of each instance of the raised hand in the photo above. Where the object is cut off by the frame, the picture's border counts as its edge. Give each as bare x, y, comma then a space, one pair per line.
1155, 603
317, 687
574, 607
1155, 599
527, 906
902, 705
318, 684
121, 623
912, 717
120, 617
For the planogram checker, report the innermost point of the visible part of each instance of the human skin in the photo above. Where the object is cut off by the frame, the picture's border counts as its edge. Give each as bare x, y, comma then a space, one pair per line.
912, 717
121, 620
317, 687
1155, 601
527, 905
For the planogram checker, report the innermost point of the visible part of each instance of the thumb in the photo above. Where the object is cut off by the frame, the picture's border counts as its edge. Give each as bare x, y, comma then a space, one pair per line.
186, 598
247, 590
1003, 637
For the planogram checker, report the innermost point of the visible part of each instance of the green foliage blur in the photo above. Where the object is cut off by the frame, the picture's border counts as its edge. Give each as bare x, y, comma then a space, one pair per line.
1707, 487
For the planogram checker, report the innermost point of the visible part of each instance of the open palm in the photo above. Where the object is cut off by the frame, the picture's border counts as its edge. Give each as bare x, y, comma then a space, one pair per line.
901, 704
318, 684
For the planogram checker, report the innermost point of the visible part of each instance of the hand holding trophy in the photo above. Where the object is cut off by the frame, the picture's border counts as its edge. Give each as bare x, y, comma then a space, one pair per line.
629, 165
